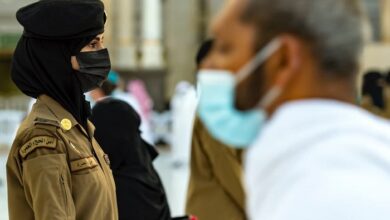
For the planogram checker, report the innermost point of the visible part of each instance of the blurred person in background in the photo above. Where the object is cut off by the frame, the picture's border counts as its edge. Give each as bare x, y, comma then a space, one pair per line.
56, 169
183, 107
316, 155
215, 189
373, 93
139, 190
110, 88
137, 89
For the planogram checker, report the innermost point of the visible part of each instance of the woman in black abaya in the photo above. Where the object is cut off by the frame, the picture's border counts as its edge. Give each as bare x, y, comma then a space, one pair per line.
140, 192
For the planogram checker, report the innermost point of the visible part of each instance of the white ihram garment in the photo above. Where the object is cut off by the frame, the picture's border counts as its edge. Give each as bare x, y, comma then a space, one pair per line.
320, 160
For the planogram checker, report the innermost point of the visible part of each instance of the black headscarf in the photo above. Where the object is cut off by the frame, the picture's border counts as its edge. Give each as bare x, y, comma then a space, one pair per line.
55, 30
140, 192
122, 142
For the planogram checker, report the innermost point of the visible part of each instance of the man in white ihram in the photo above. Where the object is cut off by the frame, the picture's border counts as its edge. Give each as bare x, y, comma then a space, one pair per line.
317, 155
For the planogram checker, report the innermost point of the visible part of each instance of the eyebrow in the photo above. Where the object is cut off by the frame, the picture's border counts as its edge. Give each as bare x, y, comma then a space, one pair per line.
98, 38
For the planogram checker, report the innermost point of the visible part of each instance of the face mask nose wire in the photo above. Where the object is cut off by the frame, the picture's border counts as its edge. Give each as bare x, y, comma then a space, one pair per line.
259, 59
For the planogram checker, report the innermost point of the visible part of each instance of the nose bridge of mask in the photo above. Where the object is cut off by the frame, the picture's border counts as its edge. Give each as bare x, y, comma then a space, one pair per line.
259, 59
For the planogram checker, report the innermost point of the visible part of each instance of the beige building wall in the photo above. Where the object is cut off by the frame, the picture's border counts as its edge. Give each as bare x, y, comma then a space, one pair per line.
186, 25
108, 27
181, 41
120, 29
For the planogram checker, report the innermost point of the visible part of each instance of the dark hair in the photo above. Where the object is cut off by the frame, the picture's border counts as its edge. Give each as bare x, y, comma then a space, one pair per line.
333, 29
204, 51
388, 78
372, 88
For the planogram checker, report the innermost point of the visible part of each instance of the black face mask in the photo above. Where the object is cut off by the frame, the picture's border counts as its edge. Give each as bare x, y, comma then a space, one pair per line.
94, 69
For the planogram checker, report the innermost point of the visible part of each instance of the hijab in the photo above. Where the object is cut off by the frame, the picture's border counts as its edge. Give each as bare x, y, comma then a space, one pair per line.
122, 142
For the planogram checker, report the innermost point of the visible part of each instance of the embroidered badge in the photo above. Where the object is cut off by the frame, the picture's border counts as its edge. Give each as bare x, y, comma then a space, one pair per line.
37, 142
85, 163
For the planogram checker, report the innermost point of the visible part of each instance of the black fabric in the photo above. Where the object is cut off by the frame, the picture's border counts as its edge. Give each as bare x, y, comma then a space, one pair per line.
388, 78
204, 51
140, 192
372, 86
43, 65
62, 19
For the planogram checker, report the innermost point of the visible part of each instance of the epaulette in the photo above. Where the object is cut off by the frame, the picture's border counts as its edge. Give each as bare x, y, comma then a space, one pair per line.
44, 121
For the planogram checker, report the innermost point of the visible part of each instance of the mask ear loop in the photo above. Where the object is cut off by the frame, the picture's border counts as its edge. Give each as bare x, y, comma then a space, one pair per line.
267, 100
259, 59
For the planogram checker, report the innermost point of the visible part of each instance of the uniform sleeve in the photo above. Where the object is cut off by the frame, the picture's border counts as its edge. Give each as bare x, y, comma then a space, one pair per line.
46, 177
226, 167
205, 188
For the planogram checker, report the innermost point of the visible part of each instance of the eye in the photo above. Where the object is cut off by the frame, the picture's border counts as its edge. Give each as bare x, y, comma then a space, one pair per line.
93, 45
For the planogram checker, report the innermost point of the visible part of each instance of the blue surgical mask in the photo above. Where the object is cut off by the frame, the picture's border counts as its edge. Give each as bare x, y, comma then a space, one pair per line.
216, 91
217, 112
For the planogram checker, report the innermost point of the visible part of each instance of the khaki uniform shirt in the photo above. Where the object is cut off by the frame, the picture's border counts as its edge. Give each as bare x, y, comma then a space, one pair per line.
57, 170
215, 188
368, 104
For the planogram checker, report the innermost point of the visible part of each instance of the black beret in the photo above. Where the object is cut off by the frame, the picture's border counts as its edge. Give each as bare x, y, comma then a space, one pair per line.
62, 19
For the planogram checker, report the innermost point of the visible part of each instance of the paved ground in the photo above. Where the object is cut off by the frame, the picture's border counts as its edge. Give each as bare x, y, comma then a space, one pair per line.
175, 181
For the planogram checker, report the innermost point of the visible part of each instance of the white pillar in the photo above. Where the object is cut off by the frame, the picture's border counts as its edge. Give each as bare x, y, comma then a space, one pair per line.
125, 40
151, 35
385, 20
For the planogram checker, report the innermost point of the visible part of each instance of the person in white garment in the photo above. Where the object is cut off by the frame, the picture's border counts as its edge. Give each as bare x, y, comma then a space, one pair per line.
183, 105
315, 155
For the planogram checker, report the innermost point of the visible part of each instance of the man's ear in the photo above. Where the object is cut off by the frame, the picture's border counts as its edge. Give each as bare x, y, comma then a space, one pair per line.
291, 59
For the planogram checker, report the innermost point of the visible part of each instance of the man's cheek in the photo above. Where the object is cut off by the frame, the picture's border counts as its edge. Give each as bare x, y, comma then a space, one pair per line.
242, 96
249, 92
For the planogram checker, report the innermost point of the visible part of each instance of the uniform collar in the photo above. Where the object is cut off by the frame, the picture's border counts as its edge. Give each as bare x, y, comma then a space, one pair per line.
61, 114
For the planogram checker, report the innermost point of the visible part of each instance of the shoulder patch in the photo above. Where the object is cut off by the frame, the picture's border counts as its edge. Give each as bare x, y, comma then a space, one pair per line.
37, 142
